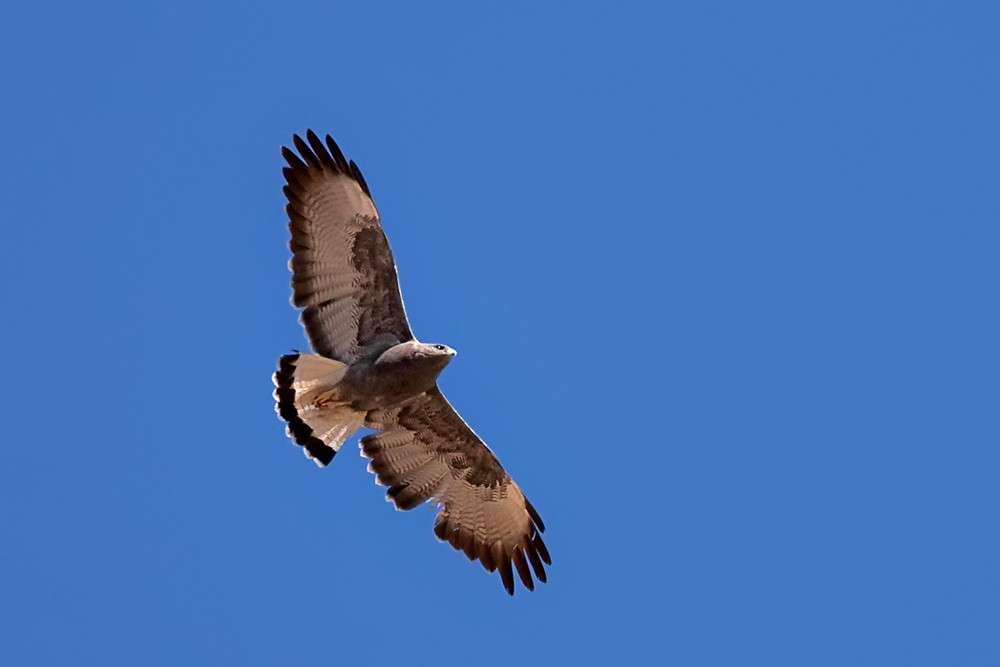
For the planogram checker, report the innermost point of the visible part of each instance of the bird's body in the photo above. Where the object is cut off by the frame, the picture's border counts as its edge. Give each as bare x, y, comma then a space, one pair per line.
398, 373
369, 370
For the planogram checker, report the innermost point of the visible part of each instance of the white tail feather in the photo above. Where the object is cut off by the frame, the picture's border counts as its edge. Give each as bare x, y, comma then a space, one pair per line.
308, 399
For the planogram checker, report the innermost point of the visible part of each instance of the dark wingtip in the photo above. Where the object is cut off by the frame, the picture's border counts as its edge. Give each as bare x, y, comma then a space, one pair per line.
320, 150
314, 155
506, 576
292, 159
536, 541
335, 151
307, 154
356, 172
536, 563
503, 567
526, 557
534, 516
522, 569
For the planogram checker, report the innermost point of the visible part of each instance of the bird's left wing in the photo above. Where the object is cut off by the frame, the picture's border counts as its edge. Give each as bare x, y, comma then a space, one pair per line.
425, 451
343, 273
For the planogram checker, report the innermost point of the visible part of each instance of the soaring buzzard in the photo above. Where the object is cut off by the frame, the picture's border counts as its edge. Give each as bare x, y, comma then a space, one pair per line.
370, 371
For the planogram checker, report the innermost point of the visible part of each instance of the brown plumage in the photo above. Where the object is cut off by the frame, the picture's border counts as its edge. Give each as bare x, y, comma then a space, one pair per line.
370, 371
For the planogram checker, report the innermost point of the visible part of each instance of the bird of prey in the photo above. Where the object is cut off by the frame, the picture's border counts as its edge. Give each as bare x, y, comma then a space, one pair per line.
369, 370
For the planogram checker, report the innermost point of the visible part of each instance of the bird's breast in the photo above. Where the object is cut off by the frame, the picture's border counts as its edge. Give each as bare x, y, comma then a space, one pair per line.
387, 383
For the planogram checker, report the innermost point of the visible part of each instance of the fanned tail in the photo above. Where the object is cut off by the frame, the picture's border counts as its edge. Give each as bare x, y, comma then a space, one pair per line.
306, 397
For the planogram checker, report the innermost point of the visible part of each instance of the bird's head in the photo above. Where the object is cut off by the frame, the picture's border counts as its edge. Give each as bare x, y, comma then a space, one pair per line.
433, 356
436, 350
425, 354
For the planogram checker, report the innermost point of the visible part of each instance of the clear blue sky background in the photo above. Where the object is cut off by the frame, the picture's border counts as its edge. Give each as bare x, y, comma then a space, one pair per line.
723, 277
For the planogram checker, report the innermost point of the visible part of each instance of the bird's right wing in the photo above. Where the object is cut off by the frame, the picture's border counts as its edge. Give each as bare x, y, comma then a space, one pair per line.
343, 273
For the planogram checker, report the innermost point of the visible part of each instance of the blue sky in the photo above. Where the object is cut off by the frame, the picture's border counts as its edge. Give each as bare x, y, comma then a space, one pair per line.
723, 280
